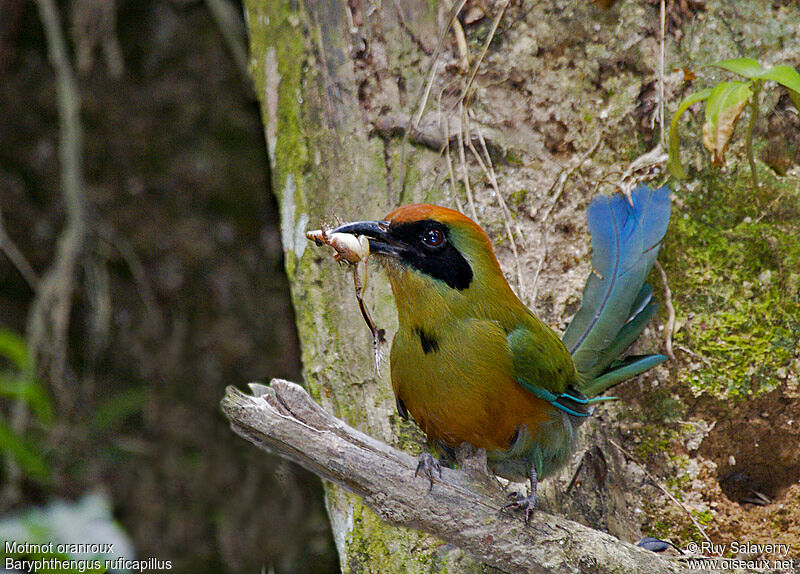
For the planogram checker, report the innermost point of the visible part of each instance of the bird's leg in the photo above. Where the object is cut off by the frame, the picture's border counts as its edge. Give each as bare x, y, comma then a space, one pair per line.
428, 465
529, 503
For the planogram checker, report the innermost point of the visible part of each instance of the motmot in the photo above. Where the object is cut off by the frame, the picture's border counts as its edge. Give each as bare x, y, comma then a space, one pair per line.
471, 363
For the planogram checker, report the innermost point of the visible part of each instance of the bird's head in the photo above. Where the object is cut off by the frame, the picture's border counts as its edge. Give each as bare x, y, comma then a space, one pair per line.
436, 257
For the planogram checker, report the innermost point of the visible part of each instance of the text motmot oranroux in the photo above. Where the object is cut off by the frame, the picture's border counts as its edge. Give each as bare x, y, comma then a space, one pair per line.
471, 363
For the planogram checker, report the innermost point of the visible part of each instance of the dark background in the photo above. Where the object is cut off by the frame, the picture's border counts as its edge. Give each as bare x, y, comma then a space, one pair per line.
185, 242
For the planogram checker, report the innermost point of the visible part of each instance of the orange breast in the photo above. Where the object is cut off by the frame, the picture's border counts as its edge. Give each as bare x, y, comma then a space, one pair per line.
464, 389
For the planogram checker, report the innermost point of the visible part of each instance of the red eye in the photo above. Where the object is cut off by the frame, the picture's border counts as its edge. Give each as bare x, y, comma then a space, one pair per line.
433, 238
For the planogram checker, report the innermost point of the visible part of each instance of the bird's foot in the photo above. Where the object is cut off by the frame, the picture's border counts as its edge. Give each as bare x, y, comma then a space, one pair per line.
428, 465
529, 503
519, 502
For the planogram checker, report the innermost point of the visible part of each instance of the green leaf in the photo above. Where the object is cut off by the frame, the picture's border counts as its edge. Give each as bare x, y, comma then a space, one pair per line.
795, 97
787, 77
119, 407
674, 163
725, 104
747, 67
22, 387
784, 75
31, 462
19, 383
14, 348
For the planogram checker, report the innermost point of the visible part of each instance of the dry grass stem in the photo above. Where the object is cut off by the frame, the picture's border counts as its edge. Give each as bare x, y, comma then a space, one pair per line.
495, 24
556, 191
463, 160
421, 99
488, 171
670, 326
663, 489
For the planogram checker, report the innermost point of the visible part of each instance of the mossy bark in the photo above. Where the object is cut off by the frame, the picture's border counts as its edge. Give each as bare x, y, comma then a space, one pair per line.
326, 166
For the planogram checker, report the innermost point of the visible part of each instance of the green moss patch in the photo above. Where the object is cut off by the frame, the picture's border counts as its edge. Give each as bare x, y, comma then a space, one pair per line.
733, 262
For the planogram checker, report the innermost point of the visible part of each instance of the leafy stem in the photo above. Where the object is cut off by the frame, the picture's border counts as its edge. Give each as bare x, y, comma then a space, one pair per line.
748, 144
723, 105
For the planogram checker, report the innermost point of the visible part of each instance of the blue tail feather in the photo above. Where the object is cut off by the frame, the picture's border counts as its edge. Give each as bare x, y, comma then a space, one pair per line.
616, 302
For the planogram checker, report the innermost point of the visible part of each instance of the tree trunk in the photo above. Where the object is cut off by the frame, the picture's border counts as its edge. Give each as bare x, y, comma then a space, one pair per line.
319, 85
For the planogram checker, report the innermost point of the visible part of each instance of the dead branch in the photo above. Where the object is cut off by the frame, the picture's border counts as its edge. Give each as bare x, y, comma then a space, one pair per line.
16, 257
232, 27
430, 132
462, 508
49, 316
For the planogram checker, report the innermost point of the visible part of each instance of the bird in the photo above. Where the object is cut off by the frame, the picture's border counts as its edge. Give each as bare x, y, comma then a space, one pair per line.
471, 363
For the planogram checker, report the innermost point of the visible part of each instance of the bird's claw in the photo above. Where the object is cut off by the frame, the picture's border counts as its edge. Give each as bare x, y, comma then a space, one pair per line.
519, 501
428, 465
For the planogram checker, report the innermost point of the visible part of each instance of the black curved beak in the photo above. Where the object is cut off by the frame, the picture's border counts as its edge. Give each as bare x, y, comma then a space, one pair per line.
380, 239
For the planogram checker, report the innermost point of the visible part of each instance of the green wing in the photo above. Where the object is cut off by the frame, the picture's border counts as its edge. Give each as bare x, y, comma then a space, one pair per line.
541, 361
544, 368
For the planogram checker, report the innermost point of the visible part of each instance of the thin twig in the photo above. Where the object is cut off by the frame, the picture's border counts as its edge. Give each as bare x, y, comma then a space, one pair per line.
49, 316
70, 146
670, 326
677, 502
17, 258
490, 164
557, 190
232, 27
422, 95
489, 173
462, 157
477, 64
143, 287
449, 159
420, 101
655, 156
661, 137
687, 350
777, 201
